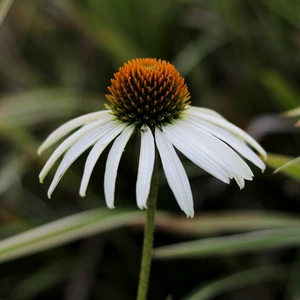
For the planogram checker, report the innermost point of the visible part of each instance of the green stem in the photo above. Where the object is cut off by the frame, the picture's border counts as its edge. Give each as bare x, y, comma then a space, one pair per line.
148, 235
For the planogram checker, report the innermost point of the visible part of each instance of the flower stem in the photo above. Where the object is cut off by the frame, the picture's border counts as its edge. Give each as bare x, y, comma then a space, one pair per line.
148, 235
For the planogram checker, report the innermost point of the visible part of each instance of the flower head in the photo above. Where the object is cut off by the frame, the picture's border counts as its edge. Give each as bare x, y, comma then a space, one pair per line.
148, 92
149, 96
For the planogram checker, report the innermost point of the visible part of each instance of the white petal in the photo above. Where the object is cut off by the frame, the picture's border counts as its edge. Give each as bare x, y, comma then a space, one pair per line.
175, 173
94, 155
228, 126
68, 127
77, 149
206, 111
112, 164
228, 138
240, 181
199, 155
146, 164
229, 158
66, 144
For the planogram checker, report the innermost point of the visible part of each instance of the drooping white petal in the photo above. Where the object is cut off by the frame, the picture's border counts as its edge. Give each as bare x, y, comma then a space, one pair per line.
229, 158
66, 144
228, 126
228, 138
112, 164
146, 164
182, 137
201, 156
240, 181
175, 173
94, 155
77, 149
66, 128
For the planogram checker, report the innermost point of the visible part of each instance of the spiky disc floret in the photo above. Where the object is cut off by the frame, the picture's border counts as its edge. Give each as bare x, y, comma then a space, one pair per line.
148, 91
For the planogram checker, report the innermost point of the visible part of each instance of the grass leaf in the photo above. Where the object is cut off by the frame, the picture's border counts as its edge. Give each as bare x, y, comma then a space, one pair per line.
65, 230
29, 108
292, 113
283, 92
101, 220
4, 8
285, 164
233, 244
238, 280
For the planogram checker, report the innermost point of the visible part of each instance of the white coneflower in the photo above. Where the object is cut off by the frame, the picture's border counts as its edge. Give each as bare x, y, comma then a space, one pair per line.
150, 96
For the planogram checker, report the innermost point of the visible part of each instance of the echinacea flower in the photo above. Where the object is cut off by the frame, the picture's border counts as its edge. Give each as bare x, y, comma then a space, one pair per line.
150, 97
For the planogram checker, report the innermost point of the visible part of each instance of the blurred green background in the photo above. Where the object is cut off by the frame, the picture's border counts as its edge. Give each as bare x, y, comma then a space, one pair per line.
239, 57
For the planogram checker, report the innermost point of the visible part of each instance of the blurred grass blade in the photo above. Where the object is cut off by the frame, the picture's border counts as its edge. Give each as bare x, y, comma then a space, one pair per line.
47, 277
285, 95
288, 10
233, 244
285, 164
66, 230
103, 34
100, 220
29, 108
216, 223
292, 113
10, 172
4, 8
197, 50
291, 165
292, 287
239, 280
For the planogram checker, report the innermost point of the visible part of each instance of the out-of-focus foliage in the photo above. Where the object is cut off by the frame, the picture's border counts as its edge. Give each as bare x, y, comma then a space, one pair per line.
294, 113
233, 244
4, 8
285, 164
241, 58
238, 281
96, 221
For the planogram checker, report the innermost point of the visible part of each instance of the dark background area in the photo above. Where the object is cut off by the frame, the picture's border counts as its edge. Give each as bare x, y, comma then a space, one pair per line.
239, 57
